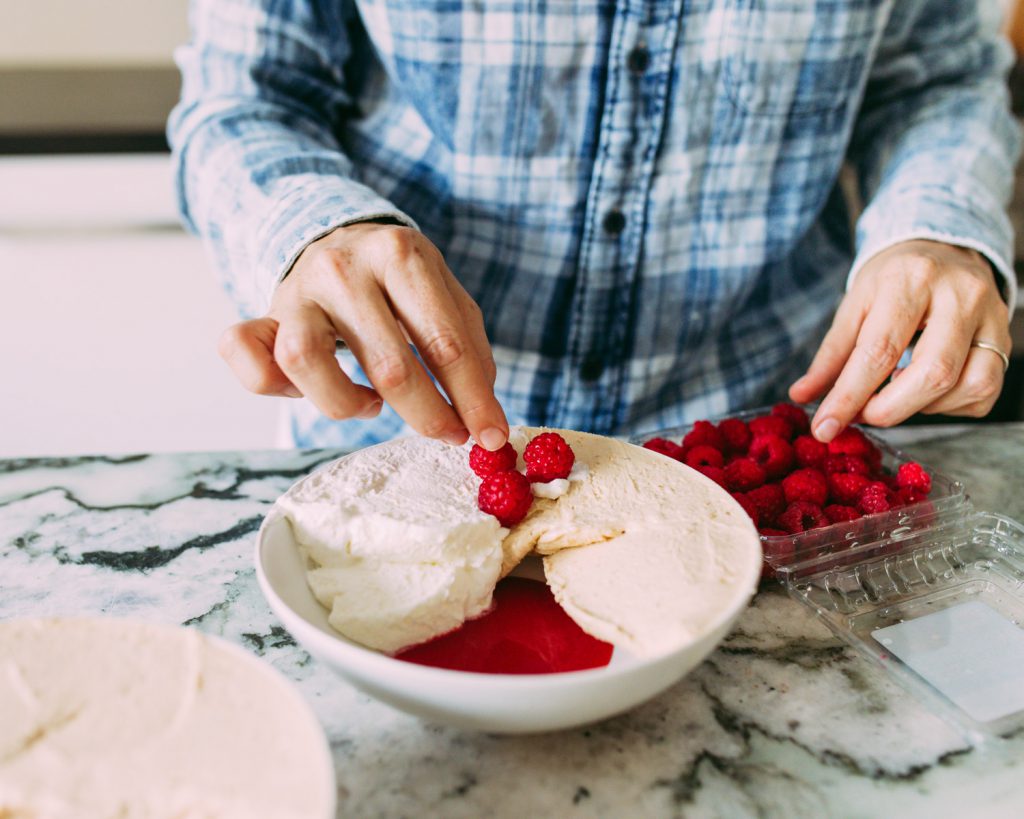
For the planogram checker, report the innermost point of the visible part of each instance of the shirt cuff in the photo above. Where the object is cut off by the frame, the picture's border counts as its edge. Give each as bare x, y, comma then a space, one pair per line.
996, 247
308, 212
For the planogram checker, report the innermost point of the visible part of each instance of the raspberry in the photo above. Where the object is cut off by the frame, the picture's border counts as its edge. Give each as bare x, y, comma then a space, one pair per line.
548, 457
506, 495
845, 487
484, 462
809, 451
736, 435
664, 446
744, 474
801, 516
908, 495
852, 441
846, 463
773, 453
716, 473
913, 476
806, 485
770, 501
703, 455
795, 415
876, 497
748, 506
838, 513
772, 425
704, 434
767, 531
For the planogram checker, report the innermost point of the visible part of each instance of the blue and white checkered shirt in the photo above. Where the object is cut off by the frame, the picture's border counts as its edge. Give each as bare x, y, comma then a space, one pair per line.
641, 196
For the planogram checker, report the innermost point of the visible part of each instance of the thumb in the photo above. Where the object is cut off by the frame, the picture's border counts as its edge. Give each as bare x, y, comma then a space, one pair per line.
248, 349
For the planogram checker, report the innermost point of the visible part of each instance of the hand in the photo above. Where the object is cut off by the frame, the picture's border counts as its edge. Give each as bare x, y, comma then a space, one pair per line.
949, 293
377, 287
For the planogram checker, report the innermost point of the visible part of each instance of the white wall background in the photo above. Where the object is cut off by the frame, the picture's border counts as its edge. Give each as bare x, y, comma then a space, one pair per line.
109, 317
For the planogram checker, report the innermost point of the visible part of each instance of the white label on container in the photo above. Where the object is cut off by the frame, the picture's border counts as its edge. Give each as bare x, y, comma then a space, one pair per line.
969, 652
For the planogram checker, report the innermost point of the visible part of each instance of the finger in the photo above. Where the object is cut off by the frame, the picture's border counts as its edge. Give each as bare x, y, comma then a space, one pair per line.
422, 302
833, 353
981, 379
474, 321
938, 358
304, 349
363, 317
887, 330
248, 347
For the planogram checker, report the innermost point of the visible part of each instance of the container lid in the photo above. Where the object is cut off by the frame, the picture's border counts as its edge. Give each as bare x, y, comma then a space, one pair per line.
939, 606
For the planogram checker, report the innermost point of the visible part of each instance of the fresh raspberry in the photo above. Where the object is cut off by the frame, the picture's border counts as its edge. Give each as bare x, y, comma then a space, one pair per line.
484, 462
837, 513
913, 476
736, 434
771, 425
716, 473
776, 550
806, 485
875, 497
801, 516
770, 501
773, 453
703, 455
704, 433
744, 474
795, 415
767, 531
547, 458
852, 441
506, 495
809, 451
908, 495
748, 506
845, 487
664, 446
846, 463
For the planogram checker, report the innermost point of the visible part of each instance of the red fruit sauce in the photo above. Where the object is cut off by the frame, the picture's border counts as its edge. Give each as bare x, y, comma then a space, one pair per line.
525, 632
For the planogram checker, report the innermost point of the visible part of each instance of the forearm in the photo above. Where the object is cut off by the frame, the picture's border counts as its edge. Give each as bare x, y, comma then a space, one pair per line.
259, 173
935, 144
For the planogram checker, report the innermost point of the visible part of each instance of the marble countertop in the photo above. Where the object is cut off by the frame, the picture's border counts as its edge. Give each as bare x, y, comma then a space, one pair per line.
782, 720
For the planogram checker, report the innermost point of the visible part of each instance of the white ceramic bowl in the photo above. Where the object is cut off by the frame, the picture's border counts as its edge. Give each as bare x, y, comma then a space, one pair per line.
505, 703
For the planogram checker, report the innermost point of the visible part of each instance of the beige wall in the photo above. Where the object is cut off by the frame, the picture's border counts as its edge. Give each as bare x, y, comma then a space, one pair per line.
93, 33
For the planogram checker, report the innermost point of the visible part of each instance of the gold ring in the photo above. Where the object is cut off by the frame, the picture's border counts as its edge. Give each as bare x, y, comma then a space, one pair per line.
985, 345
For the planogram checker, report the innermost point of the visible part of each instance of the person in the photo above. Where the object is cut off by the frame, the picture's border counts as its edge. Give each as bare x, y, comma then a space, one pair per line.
605, 216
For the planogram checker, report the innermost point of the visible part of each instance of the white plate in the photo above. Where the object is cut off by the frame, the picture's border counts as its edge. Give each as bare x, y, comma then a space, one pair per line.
505, 703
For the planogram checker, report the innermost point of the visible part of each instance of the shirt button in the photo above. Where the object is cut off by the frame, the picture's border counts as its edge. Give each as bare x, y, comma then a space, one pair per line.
639, 59
614, 222
591, 367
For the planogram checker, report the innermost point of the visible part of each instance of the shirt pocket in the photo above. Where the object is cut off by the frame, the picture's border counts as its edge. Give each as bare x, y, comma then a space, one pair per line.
793, 58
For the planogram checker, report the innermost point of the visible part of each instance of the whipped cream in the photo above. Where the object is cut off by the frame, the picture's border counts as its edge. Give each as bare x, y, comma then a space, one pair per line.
103, 717
552, 490
397, 549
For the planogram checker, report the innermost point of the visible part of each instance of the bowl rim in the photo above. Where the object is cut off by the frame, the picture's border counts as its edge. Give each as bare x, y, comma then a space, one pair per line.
375, 662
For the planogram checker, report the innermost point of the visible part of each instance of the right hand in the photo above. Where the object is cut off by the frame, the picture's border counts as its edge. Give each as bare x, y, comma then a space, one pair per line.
377, 288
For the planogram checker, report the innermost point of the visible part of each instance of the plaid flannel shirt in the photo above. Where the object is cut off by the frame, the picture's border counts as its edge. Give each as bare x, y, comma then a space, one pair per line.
641, 196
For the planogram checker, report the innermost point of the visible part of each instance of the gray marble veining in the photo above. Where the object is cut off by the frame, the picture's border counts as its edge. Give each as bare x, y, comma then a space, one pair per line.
782, 720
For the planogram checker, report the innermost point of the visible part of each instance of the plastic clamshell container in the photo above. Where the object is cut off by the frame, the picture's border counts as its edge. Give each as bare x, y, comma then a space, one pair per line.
939, 559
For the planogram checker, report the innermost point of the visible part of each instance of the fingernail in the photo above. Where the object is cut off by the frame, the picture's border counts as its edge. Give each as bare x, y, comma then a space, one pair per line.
827, 430
371, 411
456, 438
492, 438
292, 392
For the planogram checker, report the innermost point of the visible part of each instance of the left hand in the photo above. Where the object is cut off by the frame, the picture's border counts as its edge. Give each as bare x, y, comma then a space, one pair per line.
950, 294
